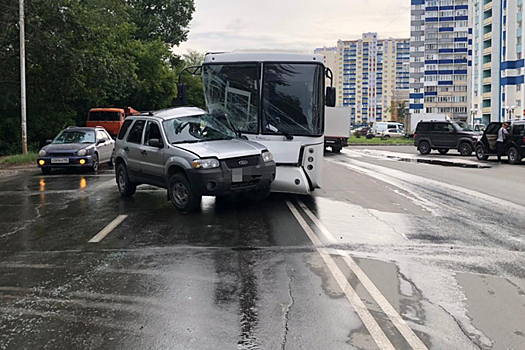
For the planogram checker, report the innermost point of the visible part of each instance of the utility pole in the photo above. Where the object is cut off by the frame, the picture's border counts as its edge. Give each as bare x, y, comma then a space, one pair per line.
23, 78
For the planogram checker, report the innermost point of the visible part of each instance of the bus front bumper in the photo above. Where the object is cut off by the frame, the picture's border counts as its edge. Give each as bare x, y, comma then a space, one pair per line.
291, 179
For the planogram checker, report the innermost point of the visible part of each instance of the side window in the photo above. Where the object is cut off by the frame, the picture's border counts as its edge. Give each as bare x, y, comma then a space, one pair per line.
518, 129
422, 127
135, 134
152, 132
107, 137
439, 127
124, 128
493, 129
393, 131
100, 135
448, 128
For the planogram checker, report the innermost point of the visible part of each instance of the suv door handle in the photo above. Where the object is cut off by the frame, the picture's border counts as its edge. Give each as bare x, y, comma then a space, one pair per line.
144, 152
126, 149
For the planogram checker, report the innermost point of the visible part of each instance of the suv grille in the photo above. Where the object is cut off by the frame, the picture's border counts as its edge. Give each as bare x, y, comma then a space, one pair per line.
242, 162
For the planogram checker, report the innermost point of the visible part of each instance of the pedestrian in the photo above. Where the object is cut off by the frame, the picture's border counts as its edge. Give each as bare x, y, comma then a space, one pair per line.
500, 142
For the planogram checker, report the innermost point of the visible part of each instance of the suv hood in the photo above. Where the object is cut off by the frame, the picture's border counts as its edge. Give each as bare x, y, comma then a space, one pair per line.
223, 149
66, 147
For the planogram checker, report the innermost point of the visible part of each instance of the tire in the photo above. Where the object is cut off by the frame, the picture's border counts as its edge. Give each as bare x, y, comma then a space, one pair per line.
181, 194
370, 136
386, 137
336, 149
424, 147
465, 149
443, 151
126, 188
259, 195
480, 153
46, 171
94, 167
514, 156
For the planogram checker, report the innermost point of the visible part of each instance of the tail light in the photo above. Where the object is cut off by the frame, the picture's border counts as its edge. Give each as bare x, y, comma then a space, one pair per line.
415, 135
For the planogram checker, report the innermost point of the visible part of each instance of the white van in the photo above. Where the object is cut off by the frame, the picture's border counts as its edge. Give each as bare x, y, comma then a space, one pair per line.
379, 127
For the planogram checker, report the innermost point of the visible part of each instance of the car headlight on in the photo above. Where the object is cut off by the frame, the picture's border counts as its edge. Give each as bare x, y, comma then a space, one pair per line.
82, 152
42, 153
267, 156
208, 163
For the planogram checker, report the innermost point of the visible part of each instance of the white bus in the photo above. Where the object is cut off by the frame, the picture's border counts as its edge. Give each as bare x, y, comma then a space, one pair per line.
278, 100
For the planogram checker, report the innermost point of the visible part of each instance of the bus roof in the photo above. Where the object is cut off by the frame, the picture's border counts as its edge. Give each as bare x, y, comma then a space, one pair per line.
228, 57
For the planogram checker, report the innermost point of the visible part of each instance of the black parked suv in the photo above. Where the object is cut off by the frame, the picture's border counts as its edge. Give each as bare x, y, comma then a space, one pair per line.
444, 135
514, 145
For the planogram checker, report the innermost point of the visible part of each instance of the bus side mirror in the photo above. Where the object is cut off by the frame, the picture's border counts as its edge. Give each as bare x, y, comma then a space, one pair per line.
182, 94
330, 96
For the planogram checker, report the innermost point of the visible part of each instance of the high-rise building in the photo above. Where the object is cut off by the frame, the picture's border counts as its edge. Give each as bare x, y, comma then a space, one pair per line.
368, 74
331, 60
439, 55
497, 82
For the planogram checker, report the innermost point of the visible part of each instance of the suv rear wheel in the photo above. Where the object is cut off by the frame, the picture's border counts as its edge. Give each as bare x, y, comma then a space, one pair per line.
443, 150
480, 153
125, 187
424, 147
514, 156
465, 149
181, 194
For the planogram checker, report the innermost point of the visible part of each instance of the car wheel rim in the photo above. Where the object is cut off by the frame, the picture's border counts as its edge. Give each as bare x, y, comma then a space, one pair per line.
95, 164
464, 149
512, 156
180, 194
480, 153
121, 180
423, 147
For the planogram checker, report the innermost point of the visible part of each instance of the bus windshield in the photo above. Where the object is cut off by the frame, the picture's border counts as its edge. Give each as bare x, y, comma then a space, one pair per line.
292, 97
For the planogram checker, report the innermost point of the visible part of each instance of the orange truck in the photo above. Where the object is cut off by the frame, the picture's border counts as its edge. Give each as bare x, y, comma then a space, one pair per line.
110, 119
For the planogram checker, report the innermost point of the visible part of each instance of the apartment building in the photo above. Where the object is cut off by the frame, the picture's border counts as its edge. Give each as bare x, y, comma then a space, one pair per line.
368, 73
439, 57
497, 90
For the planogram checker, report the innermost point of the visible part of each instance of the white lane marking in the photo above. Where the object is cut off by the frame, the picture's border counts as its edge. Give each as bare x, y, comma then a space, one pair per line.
368, 320
383, 303
107, 230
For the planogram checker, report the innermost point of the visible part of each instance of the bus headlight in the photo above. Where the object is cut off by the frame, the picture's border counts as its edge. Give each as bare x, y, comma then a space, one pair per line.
267, 156
208, 163
82, 152
42, 153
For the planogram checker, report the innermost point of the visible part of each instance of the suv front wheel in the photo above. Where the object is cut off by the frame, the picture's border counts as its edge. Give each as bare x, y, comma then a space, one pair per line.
424, 147
465, 149
125, 187
181, 194
480, 153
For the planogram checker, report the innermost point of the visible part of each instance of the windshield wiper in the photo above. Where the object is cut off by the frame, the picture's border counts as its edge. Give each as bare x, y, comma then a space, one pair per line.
284, 132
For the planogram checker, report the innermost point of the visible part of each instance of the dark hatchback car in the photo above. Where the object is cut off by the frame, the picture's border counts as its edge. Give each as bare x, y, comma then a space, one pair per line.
444, 135
514, 145
79, 147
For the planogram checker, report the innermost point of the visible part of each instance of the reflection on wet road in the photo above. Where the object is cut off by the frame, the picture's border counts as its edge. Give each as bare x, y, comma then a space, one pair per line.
384, 256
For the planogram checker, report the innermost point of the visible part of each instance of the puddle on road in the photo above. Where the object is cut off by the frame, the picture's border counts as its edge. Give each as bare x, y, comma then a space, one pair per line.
441, 162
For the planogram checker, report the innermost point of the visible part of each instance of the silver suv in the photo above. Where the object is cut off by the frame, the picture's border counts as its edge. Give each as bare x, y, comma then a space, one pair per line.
191, 154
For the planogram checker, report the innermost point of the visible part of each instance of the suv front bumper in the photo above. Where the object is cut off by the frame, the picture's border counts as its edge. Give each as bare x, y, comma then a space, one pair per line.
224, 181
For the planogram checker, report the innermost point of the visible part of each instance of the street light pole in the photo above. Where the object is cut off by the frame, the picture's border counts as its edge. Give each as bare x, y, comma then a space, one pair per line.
23, 78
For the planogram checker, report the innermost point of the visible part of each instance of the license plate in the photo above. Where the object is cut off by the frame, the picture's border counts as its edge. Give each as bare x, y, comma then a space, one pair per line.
59, 160
236, 175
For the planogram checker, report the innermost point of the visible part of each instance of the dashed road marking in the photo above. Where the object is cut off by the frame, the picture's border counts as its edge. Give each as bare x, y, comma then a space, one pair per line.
107, 230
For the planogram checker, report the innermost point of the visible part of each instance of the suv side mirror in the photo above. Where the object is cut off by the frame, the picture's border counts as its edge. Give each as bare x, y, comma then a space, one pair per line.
155, 143
101, 141
182, 94
330, 96
48, 142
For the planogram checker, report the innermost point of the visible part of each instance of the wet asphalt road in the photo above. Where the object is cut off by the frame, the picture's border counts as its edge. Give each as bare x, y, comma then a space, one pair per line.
389, 254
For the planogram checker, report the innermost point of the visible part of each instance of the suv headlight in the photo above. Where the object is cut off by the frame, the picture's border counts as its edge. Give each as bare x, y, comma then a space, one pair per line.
208, 163
267, 156
42, 153
82, 152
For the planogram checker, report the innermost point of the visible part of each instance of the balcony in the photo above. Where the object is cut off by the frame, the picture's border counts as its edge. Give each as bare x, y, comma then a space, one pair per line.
487, 95
487, 21
487, 81
487, 51
487, 65
487, 36
486, 110
487, 6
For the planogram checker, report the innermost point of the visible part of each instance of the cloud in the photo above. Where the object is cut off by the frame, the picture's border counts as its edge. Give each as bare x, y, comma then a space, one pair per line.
299, 25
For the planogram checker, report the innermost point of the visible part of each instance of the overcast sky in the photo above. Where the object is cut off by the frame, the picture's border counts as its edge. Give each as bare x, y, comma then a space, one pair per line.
299, 25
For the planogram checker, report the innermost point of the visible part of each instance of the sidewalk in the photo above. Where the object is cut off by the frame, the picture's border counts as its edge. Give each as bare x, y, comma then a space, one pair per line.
12, 170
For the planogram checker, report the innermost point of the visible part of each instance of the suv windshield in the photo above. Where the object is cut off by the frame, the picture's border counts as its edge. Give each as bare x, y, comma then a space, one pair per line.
462, 126
75, 137
199, 128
